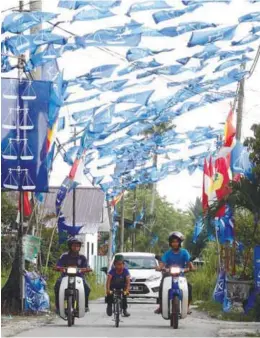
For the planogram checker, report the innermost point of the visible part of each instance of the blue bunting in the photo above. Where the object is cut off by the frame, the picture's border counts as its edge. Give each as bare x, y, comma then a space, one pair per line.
111, 85
250, 17
61, 123
192, 2
185, 28
84, 99
19, 22
102, 4
227, 54
210, 51
166, 70
141, 98
213, 35
147, 5
231, 63
108, 37
246, 40
134, 54
139, 65
171, 14
22, 43
92, 14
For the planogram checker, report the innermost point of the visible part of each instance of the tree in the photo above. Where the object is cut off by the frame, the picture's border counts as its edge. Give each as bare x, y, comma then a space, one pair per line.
196, 249
253, 144
166, 220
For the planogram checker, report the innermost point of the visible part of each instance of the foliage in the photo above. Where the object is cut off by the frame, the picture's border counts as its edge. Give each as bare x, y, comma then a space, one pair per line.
253, 144
165, 220
204, 279
8, 212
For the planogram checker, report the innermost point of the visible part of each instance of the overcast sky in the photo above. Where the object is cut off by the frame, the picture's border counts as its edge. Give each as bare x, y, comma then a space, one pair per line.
178, 189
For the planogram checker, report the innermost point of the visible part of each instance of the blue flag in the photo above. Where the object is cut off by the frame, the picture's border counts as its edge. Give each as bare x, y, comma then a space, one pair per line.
174, 13
219, 291
92, 14
147, 5
199, 225
204, 37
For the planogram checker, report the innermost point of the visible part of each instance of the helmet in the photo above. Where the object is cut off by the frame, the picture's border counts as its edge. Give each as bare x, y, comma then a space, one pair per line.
73, 240
119, 258
176, 235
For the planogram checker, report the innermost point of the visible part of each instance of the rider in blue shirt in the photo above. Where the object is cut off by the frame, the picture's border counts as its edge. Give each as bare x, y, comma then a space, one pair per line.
69, 259
175, 256
118, 278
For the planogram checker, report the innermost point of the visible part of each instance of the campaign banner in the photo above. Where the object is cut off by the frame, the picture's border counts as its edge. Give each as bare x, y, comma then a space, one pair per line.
24, 123
257, 266
31, 247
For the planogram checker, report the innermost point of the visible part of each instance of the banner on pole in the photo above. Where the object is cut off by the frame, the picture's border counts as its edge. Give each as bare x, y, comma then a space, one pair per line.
257, 266
24, 123
31, 247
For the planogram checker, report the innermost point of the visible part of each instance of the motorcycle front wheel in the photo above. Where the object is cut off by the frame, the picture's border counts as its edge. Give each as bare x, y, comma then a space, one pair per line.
70, 312
175, 312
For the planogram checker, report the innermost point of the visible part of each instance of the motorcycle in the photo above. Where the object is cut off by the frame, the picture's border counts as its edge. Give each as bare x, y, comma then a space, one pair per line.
175, 296
71, 295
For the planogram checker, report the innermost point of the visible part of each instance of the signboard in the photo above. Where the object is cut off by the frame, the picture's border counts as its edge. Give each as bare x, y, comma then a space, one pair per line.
257, 266
31, 247
24, 123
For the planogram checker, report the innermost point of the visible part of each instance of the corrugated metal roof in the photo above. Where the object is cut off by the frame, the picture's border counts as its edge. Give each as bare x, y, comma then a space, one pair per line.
89, 205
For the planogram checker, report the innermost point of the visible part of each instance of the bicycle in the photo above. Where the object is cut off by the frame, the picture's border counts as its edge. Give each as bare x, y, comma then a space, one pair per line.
118, 304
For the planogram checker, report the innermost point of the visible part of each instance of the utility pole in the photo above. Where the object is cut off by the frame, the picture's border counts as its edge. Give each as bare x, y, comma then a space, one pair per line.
239, 111
155, 160
134, 218
240, 105
36, 6
74, 194
21, 62
110, 241
122, 224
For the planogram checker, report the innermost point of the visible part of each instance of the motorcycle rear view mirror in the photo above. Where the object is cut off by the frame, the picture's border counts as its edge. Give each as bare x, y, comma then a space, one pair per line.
104, 269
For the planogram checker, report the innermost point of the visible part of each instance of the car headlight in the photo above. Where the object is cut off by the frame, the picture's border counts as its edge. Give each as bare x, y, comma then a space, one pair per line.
153, 278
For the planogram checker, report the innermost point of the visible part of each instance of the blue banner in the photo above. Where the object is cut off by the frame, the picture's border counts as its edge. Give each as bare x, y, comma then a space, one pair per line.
219, 291
25, 109
36, 297
257, 267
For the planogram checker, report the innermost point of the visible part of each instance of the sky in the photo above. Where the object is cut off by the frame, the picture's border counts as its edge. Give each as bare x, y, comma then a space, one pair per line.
178, 189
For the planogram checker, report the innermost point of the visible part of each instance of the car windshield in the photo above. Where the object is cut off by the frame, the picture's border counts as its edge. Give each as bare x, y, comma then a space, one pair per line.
140, 262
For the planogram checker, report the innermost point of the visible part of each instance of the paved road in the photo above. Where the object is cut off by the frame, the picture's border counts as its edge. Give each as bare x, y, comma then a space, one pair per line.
142, 323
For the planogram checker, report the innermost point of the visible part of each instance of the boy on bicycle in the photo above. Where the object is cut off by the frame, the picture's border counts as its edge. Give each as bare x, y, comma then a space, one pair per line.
118, 278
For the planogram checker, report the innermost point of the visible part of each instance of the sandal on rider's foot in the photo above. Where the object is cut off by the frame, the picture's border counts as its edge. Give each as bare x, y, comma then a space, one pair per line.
87, 309
158, 311
126, 314
189, 312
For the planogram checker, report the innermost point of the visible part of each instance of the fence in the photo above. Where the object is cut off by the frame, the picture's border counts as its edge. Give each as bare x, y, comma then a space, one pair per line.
100, 262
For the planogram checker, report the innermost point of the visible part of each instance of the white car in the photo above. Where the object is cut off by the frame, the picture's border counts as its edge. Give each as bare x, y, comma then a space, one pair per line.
145, 281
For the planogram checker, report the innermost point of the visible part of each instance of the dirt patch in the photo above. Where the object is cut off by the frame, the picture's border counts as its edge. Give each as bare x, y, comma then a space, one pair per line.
13, 325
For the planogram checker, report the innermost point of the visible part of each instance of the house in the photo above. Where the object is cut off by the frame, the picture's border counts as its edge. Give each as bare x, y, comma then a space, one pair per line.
90, 212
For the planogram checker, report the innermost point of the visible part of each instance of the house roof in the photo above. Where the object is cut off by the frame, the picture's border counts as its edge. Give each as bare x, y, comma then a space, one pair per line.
90, 210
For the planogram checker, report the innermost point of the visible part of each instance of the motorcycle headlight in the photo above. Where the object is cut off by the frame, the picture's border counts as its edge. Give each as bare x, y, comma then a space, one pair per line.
72, 271
153, 278
175, 270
